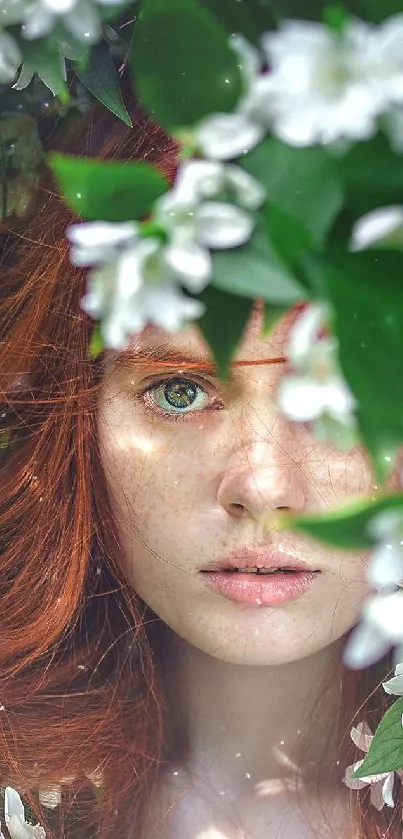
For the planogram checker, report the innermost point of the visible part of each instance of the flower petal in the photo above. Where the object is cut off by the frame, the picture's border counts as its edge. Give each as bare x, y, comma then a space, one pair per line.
189, 263
385, 613
304, 334
362, 736
13, 805
300, 398
250, 60
366, 645
386, 525
198, 179
354, 783
394, 685
226, 136
249, 193
337, 397
85, 26
18, 829
383, 227
221, 226
387, 790
101, 234
38, 22
10, 58
386, 568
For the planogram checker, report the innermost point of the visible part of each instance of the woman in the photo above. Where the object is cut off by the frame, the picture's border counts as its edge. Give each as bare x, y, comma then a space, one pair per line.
165, 702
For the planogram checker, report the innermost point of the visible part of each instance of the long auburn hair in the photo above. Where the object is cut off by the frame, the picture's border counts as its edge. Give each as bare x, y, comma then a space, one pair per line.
84, 690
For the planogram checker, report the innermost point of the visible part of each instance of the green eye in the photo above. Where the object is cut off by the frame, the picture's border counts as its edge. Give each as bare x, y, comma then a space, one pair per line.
179, 396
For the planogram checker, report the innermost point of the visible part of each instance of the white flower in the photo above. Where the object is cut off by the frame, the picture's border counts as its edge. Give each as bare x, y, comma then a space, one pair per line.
321, 94
135, 280
381, 785
395, 684
10, 57
379, 228
80, 17
381, 627
226, 136
385, 613
96, 242
206, 179
12, 11
379, 58
215, 224
386, 569
329, 86
14, 814
318, 390
366, 645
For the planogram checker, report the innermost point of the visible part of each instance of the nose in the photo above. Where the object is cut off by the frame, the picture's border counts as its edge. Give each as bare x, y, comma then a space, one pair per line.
263, 475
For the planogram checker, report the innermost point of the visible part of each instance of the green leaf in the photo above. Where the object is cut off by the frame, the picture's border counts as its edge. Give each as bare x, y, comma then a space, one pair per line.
372, 175
288, 236
183, 67
375, 11
223, 324
109, 191
247, 17
253, 270
304, 183
43, 57
100, 77
365, 291
386, 750
346, 527
96, 344
335, 16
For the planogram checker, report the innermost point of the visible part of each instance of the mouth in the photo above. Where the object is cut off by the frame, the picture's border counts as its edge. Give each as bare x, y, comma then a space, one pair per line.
260, 578
258, 571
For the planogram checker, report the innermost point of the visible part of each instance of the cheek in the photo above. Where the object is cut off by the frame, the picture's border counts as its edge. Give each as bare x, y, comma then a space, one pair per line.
340, 477
155, 479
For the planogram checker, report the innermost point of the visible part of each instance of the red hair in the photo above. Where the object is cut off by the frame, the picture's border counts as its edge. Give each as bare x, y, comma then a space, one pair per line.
83, 688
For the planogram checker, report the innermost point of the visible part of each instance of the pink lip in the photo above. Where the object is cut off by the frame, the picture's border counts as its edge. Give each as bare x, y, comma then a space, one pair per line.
253, 558
259, 590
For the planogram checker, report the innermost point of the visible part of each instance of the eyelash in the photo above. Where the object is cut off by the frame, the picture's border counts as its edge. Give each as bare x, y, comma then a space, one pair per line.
181, 416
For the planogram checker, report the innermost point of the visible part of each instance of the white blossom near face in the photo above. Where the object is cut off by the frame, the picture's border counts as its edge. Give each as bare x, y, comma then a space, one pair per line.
382, 786
193, 478
39, 17
10, 57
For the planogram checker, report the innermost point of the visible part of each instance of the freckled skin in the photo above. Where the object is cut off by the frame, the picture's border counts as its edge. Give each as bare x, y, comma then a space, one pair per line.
190, 491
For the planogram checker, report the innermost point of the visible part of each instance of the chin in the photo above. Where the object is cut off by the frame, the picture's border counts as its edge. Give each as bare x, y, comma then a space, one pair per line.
255, 652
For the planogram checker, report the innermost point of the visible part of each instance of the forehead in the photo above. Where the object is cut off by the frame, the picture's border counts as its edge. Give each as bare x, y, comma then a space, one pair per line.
254, 346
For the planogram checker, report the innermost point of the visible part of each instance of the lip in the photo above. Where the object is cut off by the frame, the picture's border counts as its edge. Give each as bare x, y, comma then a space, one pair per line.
259, 590
255, 558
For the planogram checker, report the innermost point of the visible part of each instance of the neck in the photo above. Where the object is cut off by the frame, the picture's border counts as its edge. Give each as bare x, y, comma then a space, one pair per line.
249, 725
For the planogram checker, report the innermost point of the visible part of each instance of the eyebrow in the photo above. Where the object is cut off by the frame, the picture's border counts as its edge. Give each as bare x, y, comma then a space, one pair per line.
170, 357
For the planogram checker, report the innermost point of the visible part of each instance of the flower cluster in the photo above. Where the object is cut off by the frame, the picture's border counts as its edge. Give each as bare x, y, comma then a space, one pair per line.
382, 616
382, 785
139, 277
80, 19
322, 87
317, 391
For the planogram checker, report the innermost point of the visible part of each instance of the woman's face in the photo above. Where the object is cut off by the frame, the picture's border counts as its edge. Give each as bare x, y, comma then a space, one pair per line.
194, 466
